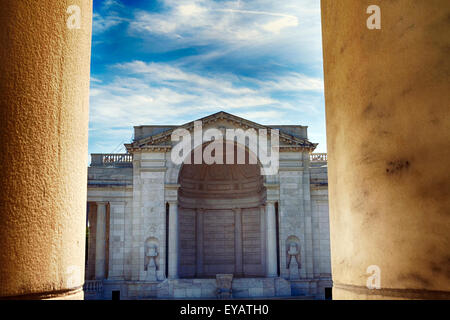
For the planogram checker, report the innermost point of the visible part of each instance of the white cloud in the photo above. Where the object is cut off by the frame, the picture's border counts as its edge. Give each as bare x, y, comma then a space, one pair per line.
93, 79
161, 73
153, 92
225, 21
107, 17
101, 23
107, 4
279, 24
190, 10
289, 31
293, 81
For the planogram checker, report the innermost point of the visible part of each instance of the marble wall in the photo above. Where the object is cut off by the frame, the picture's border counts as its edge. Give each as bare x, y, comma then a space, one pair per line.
139, 199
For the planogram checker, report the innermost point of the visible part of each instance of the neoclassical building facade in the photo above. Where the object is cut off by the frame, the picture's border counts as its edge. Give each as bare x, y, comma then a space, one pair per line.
159, 229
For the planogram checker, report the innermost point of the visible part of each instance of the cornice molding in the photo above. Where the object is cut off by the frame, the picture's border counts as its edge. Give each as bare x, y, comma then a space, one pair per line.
161, 142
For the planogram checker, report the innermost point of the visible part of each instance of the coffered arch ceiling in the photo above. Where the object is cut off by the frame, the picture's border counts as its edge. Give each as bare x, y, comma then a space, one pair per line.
221, 186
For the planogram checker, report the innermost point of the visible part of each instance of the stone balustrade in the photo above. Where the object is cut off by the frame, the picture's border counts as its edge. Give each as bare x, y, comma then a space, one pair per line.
111, 159
318, 157
104, 159
93, 286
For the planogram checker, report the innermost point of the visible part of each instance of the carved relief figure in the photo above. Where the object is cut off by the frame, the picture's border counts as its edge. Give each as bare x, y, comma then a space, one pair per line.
292, 252
152, 253
224, 284
293, 257
151, 261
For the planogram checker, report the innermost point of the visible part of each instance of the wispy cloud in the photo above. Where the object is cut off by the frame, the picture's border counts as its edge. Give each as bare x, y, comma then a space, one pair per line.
108, 16
164, 74
225, 21
154, 92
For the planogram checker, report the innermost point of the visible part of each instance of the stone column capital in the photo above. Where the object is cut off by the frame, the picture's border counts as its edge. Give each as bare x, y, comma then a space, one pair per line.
117, 203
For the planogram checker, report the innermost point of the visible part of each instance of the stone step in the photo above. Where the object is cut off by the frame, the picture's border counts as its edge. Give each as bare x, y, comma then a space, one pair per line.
242, 288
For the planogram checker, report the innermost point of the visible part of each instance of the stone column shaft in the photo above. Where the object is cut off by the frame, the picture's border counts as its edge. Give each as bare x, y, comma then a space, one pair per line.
271, 256
92, 221
100, 243
44, 98
199, 242
239, 268
388, 118
173, 240
262, 212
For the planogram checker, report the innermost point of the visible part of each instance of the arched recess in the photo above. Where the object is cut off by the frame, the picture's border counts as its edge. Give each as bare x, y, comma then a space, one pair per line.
221, 218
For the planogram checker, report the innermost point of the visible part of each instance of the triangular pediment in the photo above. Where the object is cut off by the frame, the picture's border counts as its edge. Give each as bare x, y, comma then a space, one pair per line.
219, 120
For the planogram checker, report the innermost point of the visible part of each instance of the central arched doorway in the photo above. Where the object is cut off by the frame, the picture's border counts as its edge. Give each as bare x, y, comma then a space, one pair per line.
221, 220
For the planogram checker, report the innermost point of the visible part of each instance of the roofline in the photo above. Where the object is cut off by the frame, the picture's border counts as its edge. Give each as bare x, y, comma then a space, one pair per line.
137, 143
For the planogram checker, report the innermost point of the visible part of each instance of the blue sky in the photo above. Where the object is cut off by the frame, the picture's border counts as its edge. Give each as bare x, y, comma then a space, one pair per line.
174, 61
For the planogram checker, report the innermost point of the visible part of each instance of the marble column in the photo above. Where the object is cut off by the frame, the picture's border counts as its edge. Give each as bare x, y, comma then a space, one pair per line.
262, 210
92, 222
173, 240
387, 111
239, 268
199, 242
100, 243
271, 256
44, 88
116, 249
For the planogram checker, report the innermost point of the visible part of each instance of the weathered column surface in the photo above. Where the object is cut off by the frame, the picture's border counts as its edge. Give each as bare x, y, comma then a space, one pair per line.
271, 257
173, 240
388, 122
100, 247
44, 84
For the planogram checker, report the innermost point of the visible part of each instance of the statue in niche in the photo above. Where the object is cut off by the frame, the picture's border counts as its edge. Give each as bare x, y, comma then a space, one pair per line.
151, 262
293, 257
224, 284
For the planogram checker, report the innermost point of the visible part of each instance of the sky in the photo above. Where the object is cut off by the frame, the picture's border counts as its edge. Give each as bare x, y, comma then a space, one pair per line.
174, 61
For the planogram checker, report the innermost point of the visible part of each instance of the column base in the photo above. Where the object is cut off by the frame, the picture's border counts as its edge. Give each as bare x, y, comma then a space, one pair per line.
65, 294
352, 292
